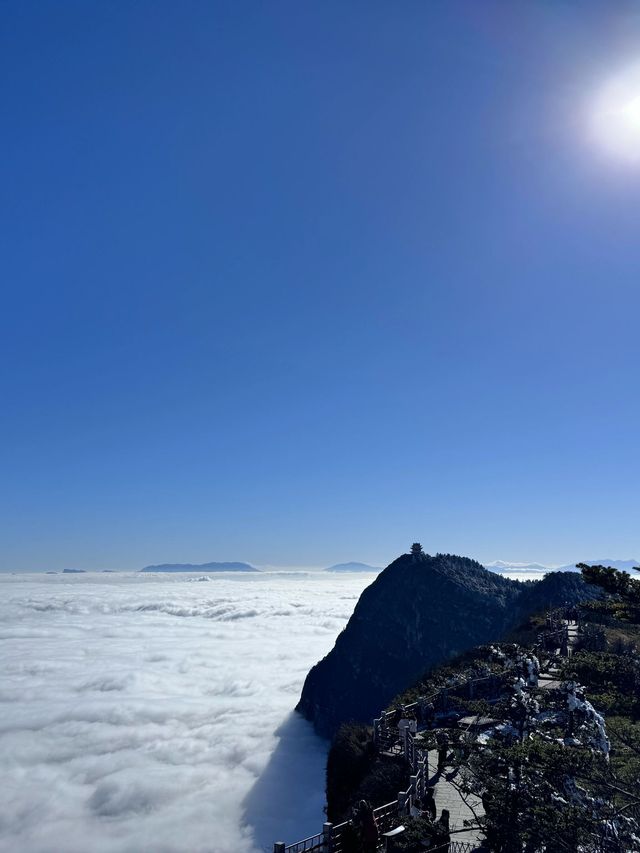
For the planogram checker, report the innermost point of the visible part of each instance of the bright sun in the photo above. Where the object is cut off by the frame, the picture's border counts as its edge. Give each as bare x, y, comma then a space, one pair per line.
615, 117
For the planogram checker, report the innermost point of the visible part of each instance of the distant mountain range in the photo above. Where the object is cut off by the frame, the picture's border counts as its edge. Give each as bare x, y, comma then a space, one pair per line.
201, 567
498, 566
505, 566
353, 567
502, 566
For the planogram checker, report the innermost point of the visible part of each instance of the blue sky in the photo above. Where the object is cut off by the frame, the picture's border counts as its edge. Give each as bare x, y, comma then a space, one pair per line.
302, 282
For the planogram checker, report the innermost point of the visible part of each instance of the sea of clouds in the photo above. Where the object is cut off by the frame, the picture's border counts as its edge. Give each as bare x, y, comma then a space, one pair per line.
146, 712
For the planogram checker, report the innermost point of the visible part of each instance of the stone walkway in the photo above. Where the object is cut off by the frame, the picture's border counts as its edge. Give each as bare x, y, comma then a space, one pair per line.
447, 796
573, 637
548, 680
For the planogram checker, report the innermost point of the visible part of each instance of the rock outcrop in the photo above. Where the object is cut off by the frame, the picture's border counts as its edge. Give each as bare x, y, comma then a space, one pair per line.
419, 612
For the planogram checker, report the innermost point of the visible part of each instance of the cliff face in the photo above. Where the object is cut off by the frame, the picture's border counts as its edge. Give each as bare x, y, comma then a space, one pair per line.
419, 612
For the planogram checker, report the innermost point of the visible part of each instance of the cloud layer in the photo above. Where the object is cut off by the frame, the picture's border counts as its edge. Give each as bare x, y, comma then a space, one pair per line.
139, 712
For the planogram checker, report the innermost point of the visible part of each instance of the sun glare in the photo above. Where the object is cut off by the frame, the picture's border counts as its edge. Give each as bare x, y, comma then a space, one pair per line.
615, 117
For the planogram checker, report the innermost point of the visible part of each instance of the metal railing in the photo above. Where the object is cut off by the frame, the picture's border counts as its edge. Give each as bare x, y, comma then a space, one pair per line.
454, 847
386, 734
387, 816
307, 845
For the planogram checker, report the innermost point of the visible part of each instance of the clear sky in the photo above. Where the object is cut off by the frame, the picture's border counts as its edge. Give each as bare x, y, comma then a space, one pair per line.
296, 283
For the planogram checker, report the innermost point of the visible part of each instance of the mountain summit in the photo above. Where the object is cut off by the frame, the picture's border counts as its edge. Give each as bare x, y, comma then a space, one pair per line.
419, 612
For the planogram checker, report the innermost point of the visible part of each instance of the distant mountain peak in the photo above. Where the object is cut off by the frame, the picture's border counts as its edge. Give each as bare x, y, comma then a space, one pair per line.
201, 567
353, 567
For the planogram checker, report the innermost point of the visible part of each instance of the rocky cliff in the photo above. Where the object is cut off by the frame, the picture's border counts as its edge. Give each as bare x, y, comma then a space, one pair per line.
419, 612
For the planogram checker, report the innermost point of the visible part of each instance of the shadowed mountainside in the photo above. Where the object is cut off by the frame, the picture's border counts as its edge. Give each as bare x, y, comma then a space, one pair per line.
419, 612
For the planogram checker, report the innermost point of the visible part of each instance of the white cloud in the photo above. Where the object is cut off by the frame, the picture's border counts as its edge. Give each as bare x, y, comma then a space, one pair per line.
139, 713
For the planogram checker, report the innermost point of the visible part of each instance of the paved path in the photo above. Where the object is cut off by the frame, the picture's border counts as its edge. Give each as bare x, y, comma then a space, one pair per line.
447, 796
548, 679
573, 637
